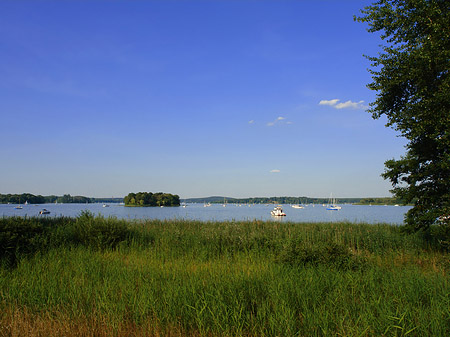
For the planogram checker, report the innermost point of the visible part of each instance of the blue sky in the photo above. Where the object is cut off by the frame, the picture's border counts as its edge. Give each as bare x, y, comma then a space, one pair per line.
196, 98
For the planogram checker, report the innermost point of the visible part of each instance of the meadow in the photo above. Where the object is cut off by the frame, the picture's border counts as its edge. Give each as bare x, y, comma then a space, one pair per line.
97, 276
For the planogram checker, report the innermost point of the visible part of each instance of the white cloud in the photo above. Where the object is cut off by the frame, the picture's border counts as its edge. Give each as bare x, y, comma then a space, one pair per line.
330, 102
343, 105
279, 119
251, 122
350, 104
275, 171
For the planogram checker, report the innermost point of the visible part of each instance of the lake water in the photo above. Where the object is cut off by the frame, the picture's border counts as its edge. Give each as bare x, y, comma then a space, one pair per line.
216, 212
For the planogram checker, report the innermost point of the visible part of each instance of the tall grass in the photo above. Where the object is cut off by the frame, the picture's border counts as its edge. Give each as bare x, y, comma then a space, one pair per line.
89, 275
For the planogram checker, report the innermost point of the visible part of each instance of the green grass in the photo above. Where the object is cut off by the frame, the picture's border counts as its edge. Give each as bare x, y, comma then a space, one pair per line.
220, 278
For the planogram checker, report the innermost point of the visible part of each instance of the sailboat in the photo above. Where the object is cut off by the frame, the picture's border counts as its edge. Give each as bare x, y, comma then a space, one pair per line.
332, 204
298, 206
18, 206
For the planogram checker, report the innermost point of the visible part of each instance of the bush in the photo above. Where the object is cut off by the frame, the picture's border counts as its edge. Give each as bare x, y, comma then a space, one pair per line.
331, 254
20, 237
98, 232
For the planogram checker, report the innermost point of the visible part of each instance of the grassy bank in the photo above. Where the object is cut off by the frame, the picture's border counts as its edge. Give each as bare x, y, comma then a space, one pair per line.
94, 276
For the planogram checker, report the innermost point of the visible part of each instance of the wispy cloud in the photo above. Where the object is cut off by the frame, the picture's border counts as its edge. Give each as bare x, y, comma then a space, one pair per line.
330, 102
278, 120
251, 122
275, 171
335, 103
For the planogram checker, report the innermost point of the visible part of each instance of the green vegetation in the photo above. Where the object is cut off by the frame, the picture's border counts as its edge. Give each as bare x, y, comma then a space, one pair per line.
380, 201
412, 80
151, 199
271, 200
96, 276
39, 199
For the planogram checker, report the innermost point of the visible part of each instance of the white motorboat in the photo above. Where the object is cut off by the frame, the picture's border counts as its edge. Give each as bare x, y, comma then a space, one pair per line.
105, 205
278, 211
44, 211
297, 206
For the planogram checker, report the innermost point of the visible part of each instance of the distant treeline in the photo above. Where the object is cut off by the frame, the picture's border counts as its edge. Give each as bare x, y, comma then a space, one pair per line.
152, 199
381, 201
270, 200
40, 199
294, 200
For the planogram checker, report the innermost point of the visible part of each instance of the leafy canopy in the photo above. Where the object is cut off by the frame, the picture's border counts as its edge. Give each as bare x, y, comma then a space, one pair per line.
411, 77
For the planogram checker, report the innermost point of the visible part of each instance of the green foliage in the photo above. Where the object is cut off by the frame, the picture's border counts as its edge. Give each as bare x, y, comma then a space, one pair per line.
330, 254
39, 199
21, 198
23, 237
97, 232
381, 201
412, 80
151, 199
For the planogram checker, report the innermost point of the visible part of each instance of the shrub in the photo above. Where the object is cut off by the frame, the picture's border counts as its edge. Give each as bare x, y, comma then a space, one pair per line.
328, 253
98, 232
19, 237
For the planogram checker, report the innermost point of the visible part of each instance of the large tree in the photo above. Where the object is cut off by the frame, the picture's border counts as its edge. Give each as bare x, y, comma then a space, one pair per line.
411, 77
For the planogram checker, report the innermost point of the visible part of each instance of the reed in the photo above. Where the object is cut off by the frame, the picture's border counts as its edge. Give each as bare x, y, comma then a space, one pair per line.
95, 276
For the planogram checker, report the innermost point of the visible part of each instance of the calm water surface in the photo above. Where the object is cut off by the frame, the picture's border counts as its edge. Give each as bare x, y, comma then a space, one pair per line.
216, 212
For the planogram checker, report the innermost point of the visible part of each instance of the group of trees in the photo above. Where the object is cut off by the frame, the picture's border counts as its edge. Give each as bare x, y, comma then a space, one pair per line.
22, 198
412, 80
381, 201
152, 199
39, 199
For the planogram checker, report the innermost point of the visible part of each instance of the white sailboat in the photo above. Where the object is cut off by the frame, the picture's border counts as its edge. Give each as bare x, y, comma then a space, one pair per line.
332, 206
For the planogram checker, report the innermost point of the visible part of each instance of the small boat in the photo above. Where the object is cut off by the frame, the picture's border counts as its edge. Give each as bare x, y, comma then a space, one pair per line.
334, 208
297, 206
105, 205
278, 211
44, 211
18, 207
332, 205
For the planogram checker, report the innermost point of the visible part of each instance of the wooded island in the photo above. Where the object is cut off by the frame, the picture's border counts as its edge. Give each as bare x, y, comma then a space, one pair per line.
149, 199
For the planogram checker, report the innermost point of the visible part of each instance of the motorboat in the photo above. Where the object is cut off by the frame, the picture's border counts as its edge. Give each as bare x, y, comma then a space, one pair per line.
44, 211
105, 205
18, 207
297, 206
278, 211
